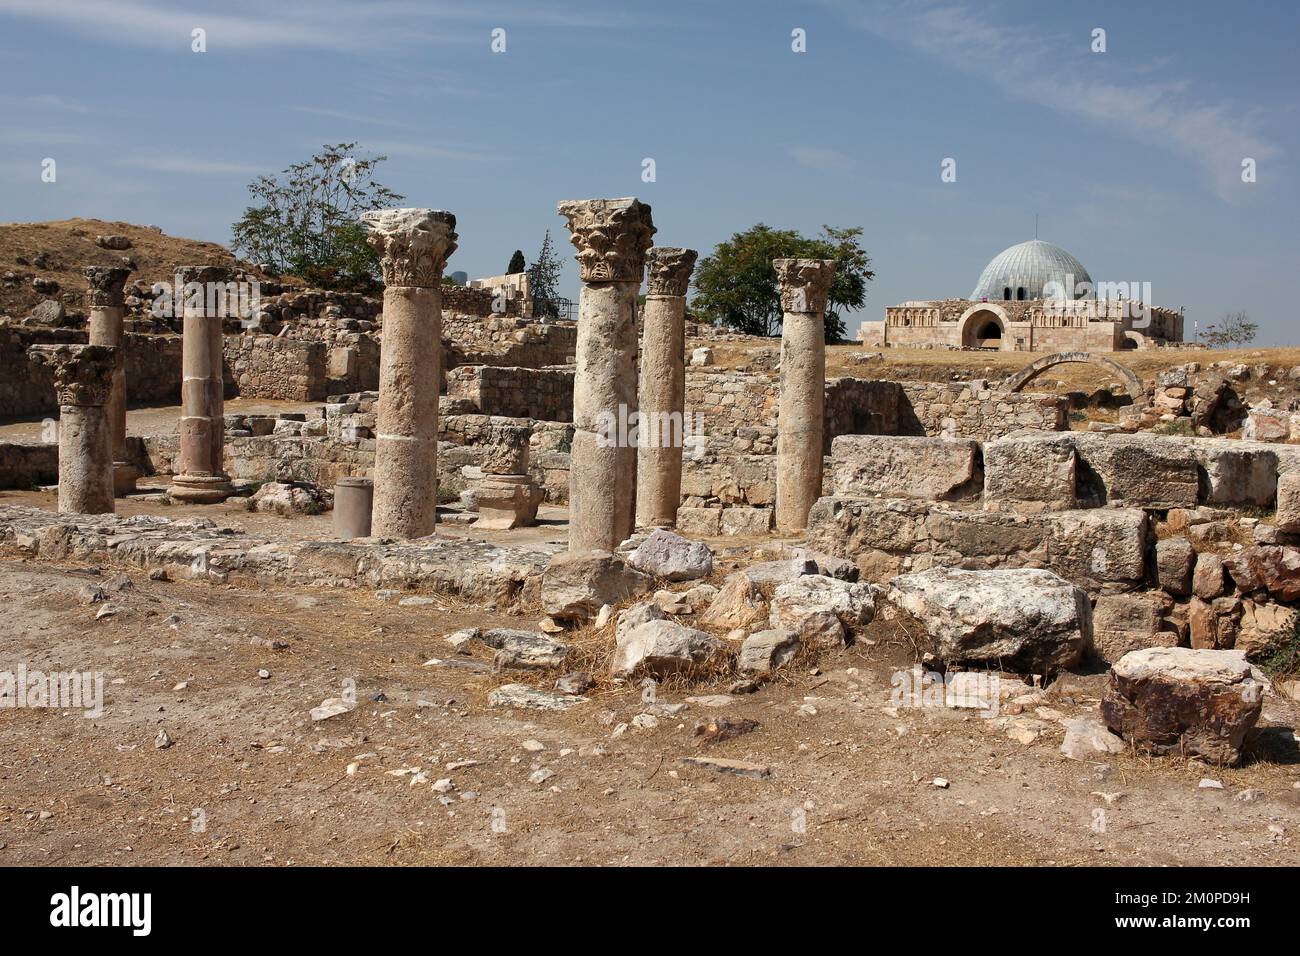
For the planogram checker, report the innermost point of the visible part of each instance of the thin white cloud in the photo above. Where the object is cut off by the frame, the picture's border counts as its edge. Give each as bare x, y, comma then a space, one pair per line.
821, 158
191, 166
1039, 67
349, 117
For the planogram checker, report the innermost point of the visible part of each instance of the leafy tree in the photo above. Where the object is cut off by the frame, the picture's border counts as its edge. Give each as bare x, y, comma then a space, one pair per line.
736, 286
544, 280
306, 223
1235, 328
517, 264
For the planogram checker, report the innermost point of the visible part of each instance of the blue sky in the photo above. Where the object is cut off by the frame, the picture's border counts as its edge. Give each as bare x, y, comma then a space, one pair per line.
1131, 158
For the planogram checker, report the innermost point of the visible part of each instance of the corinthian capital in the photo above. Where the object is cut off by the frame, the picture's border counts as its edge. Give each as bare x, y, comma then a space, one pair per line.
106, 284
83, 374
611, 236
670, 270
804, 283
413, 244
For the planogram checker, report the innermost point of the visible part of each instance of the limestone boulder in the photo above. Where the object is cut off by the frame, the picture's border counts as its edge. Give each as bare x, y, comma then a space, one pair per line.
1266, 629
740, 604
575, 585
1274, 568
764, 651
49, 312
659, 648
1098, 546
890, 466
1175, 559
524, 649
821, 611
1207, 579
1236, 472
1176, 700
1023, 620
284, 498
1130, 622
670, 557
1288, 501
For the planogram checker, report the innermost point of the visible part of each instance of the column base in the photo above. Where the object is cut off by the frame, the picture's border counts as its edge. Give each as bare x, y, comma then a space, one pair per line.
200, 489
507, 501
125, 476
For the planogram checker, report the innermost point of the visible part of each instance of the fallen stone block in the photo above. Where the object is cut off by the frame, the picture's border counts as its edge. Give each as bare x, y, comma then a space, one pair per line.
764, 651
1030, 468
821, 611
576, 585
1129, 622
1175, 559
1022, 620
523, 697
1274, 568
524, 649
1137, 471
740, 604
671, 557
1176, 700
659, 648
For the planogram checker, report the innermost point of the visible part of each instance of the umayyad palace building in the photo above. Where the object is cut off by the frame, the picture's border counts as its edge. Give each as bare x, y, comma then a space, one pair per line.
1033, 297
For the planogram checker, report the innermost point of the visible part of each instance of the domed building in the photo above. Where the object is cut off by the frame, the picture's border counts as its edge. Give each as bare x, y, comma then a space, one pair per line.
1031, 297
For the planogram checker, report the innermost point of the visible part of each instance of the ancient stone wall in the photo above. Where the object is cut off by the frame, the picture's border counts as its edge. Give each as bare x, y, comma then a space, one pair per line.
271, 367
28, 465
505, 340
974, 410
545, 394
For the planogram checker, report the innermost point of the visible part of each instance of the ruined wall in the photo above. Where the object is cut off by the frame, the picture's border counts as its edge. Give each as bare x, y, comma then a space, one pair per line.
973, 410
505, 340
28, 465
545, 394
271, 367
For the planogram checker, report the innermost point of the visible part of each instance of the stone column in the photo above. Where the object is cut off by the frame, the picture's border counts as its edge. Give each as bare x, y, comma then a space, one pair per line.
413, 246
507, 496
611, 236
106, 309
799, 438
83, 379
662, 390
201, 477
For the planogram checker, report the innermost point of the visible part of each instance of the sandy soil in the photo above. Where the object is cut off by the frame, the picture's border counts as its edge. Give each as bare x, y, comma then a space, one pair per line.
251, 779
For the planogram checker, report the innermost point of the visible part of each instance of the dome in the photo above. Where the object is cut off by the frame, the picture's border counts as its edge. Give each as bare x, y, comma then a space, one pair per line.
1022, 271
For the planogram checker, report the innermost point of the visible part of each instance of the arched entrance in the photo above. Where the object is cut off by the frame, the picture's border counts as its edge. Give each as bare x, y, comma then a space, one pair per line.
983, 327
1132, 384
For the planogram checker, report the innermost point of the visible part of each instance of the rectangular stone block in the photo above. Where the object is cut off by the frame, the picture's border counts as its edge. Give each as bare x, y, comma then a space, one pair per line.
1098, 546
1033, 468
705, 522
746, 521
1136, 471
891, 466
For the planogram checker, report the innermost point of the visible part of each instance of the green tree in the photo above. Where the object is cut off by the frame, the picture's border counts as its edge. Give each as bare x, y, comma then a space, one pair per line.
736, 286
305, 220
544, 280
517, 264
1235, 328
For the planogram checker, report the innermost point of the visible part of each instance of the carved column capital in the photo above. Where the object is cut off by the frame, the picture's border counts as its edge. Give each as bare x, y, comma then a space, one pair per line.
611, 236
413, 244
106, 284
670, 270
83, 374
804, 283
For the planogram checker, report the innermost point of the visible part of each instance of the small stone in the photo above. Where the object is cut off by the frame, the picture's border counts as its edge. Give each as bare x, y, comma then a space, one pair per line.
579, 682
1249, 796
162, 741
443, 786
939, 782
533, 746
738, 768
264, 674
645, 721
1208, 784
541, 776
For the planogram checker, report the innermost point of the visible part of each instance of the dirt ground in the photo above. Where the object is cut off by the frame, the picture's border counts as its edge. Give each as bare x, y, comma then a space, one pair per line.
250, 778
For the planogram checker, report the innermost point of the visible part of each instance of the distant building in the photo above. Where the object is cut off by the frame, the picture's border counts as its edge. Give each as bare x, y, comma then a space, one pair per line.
1032, 297
510, 287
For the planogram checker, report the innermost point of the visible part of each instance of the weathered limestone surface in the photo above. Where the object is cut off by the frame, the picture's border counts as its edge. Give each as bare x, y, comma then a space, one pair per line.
611, 237
83, 379
1130, 622
1030, 469
1175, 559
1274, 568
660, 648
1198, 703
576, 585
662, 387
822, 611
201, 478
671, 557
1023, 620
107, 306
197, 549
1090, 547
805, 284
413, 246
1138, 471
934, 469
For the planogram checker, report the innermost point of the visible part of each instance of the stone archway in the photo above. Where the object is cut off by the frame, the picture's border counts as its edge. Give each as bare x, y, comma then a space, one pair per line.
1132, 384
984, 326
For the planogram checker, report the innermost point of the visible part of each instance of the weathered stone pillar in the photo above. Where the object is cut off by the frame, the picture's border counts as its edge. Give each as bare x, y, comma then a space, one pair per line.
661, 394
413, 246
507, 496
201, 477
106, 309
804, 286
83, 379
611, 236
